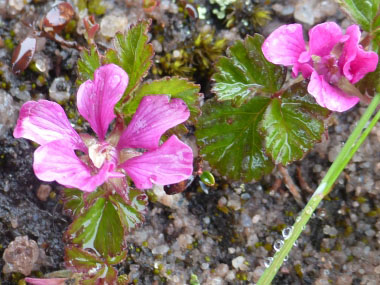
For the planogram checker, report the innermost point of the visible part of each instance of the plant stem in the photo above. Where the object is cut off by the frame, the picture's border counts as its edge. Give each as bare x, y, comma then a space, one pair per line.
356, 138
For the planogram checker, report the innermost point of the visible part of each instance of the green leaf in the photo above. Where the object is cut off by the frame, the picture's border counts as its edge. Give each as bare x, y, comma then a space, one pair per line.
292, 124
133, 53
72, 201
92, 266
98, 228
175, 87
88, 63
230, 140
362, 11
130, 214
246, 72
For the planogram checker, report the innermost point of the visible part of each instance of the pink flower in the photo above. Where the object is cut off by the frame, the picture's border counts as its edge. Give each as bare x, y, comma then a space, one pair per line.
102, 159
50, 281
332, 61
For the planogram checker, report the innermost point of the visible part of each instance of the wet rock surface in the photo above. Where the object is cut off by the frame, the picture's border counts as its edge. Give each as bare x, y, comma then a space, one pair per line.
226, 234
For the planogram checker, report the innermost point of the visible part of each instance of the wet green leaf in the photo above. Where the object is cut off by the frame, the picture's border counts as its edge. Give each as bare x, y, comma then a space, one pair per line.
98, 228
246, 72
230, 140
88, 63
362, 11
72, 201
175, 87
131, 213
292, 124
93, 267
133, 53
207, 178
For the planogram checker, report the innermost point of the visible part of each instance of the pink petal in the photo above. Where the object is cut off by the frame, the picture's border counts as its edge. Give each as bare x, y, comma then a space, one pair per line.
96, 99
329, 96
364, 62
45, 121
323, 38
154, 116
56, 161
284, 45
172, 162
354, 61
50, 281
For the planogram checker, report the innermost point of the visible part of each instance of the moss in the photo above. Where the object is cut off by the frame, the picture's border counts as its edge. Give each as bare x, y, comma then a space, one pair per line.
194, 58
268, 247
208, 259
361, 199
260, 17
94, 6
298, 270
9, 45
145, 244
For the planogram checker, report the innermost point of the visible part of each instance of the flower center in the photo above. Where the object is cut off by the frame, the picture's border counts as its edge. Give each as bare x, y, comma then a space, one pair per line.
101, 152
327, 66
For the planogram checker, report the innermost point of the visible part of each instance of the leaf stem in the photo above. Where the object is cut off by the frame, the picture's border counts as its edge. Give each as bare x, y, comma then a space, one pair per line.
357, 137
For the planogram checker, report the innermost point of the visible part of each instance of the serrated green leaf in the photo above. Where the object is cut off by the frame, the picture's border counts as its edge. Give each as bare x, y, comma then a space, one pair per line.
133, 53
131, 214
98, 228
93, 267
362, 11
230, 140
292, 124
88, 63
246, 72
175, 87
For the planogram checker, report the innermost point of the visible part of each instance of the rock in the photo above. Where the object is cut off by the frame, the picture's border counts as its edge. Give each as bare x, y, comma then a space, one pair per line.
16, 6
311, 12
113, 23
283, 11
8, 113
59, 90
304, 12
43, 192
161, 249
239, 263
21, 256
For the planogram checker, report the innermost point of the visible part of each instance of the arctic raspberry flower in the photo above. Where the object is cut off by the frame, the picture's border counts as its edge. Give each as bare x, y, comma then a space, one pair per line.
50, 281
134, 150
333, 61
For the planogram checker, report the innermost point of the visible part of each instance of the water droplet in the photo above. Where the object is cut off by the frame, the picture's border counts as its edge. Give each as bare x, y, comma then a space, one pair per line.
278, 244
286, 258
287, 232
309, 210
313, 216
296, 243
268, 261
298, 219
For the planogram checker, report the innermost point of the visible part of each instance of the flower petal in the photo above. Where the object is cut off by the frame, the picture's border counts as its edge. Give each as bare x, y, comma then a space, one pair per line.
96, 99
45, 121
154, 116
56, 161
364, 62
50, 281
172, 162
354, 61
323, 38
329, 96
284, 45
